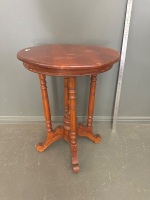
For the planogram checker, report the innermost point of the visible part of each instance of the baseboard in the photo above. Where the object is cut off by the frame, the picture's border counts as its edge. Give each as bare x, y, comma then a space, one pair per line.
38, 119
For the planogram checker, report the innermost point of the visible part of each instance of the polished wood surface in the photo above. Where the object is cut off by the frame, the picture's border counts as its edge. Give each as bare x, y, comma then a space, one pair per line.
68, 61
66, 107
87, 131
91, 100
52, 135
73, 127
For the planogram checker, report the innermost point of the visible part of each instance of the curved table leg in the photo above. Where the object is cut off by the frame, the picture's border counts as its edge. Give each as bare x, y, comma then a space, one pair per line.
87, 131
72, 109
52, 136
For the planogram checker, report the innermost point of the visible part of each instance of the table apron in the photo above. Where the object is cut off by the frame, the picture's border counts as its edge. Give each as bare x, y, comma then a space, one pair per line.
66, 72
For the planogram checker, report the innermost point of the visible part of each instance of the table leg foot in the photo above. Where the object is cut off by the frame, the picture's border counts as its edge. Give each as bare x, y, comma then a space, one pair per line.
74, 155
53, 136
75, 168
85, 131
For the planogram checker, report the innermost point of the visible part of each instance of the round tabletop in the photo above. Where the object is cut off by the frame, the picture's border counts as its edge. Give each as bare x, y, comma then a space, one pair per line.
67, 59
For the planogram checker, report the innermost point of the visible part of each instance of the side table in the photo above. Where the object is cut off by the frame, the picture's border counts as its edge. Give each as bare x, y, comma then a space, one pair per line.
68, 61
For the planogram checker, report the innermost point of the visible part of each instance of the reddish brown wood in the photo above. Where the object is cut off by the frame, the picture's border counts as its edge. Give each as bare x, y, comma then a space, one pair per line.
66, 115
57, 134
72, 109
69, 61
46, 105
51, 137
85, 131
91, 100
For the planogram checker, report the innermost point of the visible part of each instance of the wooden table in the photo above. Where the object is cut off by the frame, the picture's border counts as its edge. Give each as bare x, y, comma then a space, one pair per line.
68, 61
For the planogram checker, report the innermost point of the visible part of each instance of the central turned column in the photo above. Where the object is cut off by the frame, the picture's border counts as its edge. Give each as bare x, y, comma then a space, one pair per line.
73, 128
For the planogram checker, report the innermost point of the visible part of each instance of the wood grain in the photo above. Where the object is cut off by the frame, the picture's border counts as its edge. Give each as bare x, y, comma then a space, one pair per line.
66, 108
91, 100
68, 60
73, 128
58, 133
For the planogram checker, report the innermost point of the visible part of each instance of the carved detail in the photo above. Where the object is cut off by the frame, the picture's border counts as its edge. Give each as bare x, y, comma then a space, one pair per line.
57, 134
101, 59
86, 131
72, 109
71, 129
53, 136
91, 100
46, 105
62, 72
66, 105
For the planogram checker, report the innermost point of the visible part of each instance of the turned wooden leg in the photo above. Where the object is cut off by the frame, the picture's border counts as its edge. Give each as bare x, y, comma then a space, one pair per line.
72, 109
66, 106
52, 136
87, 131
91, 101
